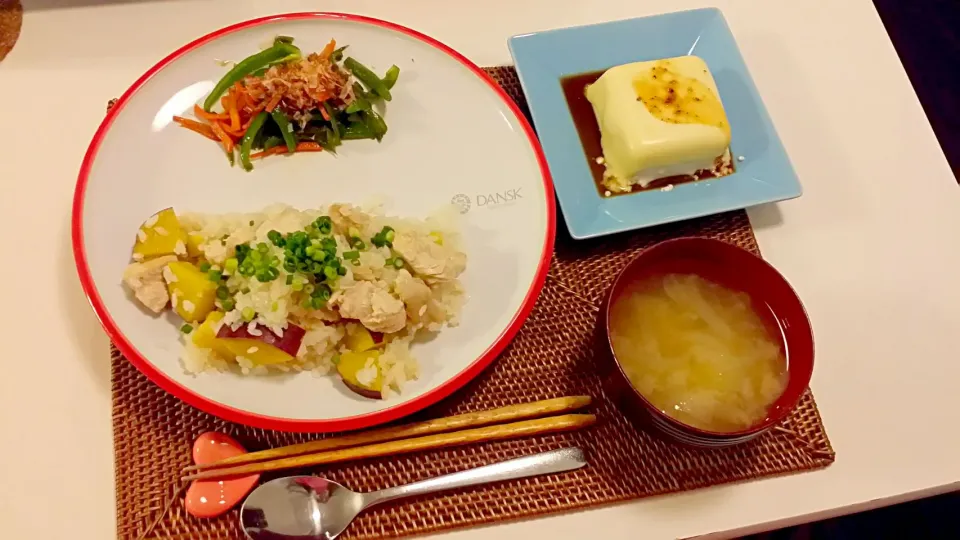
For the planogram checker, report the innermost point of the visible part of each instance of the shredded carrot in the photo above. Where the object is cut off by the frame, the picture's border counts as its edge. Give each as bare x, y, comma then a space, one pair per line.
197, 110
240, 96
193, 125
324, 114
307, 146
328, 50
224, 138
269, 152
274, 101
235, 134
232, 111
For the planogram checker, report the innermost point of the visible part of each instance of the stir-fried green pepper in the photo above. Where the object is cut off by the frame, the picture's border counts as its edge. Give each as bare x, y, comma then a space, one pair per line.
333, 141
271, 141
246, 144
368, 77
360, 101
286, 129
337, 54
375, 124
357, 131
279, 52
391, 76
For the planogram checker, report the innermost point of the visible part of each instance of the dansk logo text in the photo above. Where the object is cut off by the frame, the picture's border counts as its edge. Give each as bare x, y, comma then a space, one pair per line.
501, 197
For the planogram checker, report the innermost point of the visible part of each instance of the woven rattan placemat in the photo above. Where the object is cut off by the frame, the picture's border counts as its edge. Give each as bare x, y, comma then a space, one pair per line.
552, 356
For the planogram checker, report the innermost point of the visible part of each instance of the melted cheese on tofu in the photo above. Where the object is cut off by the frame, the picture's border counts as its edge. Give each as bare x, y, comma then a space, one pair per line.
659, 118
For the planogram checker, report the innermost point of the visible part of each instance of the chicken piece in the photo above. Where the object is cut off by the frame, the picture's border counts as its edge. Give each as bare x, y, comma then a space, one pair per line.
372, 305
430, 260
145, 279
414, 293
371, 266
347, 216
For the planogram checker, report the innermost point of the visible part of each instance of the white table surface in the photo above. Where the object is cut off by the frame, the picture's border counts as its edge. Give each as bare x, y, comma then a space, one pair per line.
873, 247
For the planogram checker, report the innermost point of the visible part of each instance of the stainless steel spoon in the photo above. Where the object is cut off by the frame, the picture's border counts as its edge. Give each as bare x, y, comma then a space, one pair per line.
309, 507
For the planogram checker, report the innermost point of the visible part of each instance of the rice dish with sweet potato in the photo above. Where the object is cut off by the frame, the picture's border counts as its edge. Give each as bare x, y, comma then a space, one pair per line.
342, 289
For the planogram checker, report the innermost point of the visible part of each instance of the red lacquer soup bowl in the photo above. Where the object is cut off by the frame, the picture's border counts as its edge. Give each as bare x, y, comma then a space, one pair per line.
734, 268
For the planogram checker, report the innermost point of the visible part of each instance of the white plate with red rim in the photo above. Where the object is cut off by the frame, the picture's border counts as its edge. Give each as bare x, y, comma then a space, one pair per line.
454, 136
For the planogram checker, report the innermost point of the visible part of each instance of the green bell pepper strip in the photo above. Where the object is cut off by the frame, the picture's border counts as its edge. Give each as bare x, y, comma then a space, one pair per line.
367, 77
337, 55
334, 125
357, 131
391, 76
246, 143
360, 101
280, 52
375, 124
286, 129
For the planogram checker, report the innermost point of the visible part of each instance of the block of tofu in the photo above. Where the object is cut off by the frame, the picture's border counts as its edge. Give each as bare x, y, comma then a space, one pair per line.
658, 119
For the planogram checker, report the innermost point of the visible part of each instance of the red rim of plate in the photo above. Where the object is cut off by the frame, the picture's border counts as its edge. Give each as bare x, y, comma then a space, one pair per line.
288, 424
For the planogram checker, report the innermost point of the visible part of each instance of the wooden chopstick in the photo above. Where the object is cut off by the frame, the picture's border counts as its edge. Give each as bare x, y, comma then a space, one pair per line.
501, 415
525, 428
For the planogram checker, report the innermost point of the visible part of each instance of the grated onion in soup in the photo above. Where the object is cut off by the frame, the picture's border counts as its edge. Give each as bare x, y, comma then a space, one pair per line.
698, 351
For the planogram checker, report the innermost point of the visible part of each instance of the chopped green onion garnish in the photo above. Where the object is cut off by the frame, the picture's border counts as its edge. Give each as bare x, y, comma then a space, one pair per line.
351, 255
289, 279
223, 293
186, 329
228, 304
248, 314
242, 251
230, 265
330, 272
215, 275
324, 224
384, 237
322, 291
398, 263
355, 262
245, 290
204, 266
275, 238
341, 271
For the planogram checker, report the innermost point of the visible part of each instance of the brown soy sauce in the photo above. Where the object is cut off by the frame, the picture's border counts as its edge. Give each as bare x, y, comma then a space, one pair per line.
574, 90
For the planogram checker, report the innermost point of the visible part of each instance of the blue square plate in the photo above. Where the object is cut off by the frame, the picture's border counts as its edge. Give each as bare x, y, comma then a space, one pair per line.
542, 59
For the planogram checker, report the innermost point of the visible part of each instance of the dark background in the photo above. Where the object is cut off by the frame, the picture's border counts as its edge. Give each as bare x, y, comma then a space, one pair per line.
926, 34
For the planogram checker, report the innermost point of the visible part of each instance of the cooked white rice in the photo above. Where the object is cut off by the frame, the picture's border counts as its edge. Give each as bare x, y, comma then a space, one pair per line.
276, 303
